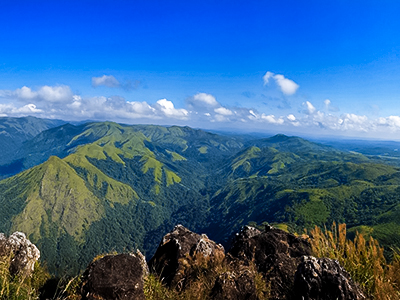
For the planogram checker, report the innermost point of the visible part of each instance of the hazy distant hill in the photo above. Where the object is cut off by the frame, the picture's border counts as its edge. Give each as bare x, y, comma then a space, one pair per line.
14, 132
98, 187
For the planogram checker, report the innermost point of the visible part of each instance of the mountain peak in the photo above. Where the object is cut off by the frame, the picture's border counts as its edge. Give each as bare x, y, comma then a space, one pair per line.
279, 138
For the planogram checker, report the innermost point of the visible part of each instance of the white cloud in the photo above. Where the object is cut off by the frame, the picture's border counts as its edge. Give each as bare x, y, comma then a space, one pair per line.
111, 108
55, 93
354, 119
310, 109
6, 109
393, 121
203, 99
329, 107
77, 102
111, 82
59, 102
25, 93
220, 118
168, 108
51, 94
223, 111
105, 80
29, 108
291, 118
272, 119
10, 109
252, 115
355, 122
287, 86
267, 76
142, 108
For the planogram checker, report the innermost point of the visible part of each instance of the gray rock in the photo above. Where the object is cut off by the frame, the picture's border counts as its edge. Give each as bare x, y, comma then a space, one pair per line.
324, 279
275, 253
176, 247
22, 252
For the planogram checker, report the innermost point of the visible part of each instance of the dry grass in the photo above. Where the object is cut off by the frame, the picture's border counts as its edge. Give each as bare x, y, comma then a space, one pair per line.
200, 274
198, 278
20, 286
363, 259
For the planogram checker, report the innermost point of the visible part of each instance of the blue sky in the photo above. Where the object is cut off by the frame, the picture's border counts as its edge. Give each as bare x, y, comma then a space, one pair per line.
305, 67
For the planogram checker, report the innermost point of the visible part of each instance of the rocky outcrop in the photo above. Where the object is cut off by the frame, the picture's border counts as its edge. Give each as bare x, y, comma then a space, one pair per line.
21, 251
324, 279
275, 253
269, 264
115, 277
176, 249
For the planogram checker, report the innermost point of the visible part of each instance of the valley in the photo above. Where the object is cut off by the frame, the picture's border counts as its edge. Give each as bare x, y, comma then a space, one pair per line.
81, 190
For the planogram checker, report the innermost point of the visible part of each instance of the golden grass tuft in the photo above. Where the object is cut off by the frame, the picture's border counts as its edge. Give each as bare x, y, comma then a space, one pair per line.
362, 258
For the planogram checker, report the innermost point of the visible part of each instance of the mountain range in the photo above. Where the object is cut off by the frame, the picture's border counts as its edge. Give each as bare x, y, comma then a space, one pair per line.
81, 190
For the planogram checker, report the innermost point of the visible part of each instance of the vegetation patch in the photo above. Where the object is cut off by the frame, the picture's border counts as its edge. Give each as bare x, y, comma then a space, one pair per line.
203, 149
175, 156
171, 177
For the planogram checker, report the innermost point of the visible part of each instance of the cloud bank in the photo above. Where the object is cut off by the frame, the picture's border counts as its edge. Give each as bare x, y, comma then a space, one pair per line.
201, 110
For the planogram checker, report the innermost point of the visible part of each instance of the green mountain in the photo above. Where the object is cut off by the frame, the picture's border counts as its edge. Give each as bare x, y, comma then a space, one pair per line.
99, 187
114, 185
52, 203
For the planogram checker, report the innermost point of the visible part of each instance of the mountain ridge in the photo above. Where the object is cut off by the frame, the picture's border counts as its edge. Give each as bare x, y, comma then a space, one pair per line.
139, 180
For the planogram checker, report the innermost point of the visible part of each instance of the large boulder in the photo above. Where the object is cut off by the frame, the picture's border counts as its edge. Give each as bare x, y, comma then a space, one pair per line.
177, 250
324, 279
22, 252
275, 253
115, 277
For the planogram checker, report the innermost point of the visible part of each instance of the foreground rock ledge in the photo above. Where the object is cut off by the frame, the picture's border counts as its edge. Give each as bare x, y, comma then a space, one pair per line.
282, 260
